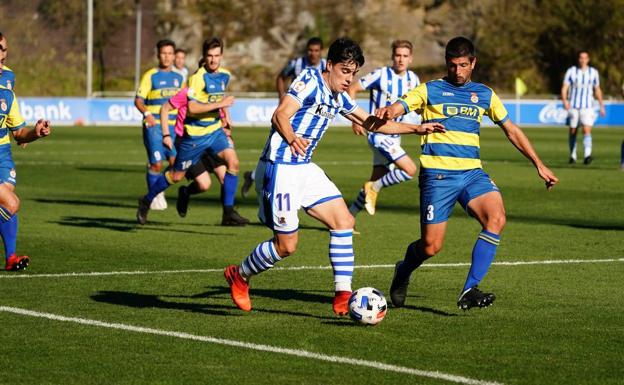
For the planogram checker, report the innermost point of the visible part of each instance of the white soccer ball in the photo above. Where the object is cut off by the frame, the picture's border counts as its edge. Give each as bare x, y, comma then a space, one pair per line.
368, 306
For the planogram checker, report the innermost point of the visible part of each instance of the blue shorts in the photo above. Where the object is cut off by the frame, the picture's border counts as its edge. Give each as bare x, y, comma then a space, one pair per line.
8, 174
156, 151
440, 190
191, 149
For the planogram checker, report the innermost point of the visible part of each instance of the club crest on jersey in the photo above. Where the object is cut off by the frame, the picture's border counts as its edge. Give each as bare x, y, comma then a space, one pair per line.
9, 85
176, 83
299, 86
3, 105
474, 98
12, 173
281, 221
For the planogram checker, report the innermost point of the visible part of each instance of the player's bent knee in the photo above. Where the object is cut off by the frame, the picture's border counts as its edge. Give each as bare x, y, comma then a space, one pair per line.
496, 223
156, 167
345, 222
203, 185
284, 249
432, 249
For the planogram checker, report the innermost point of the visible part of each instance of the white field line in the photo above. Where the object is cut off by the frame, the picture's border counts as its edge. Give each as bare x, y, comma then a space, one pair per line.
252, 346
130, 163
295, 268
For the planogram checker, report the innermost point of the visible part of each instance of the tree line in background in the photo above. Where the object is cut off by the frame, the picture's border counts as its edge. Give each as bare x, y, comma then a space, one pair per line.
536, 40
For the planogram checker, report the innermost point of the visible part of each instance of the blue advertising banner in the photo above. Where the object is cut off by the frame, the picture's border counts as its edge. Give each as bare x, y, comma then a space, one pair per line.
258, 112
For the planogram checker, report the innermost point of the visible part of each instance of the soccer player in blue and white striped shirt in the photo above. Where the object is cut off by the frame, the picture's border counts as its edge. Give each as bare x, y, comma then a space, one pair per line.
386, 85
289, 180
580, 84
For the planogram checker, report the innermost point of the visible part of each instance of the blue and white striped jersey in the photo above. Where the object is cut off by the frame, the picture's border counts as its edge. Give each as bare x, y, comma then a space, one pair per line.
386, 87
319, 107
295, 66
582, 85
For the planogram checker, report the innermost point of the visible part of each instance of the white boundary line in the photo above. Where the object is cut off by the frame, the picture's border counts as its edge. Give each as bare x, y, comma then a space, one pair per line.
295, 268
259, 347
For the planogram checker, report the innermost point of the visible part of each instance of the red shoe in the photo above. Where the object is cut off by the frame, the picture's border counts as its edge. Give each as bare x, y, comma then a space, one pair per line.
15, 263
239, 288
341, 302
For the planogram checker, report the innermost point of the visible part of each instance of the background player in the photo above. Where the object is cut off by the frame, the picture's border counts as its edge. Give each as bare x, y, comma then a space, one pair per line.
179, 63
156, 87
386, 85
580, 83
313, 58
198, 172
11, 120
203, 132
7, 77
290, 180
451, 169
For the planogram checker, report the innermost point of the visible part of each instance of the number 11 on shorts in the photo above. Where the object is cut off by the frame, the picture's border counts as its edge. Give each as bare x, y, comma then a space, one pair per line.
283, 200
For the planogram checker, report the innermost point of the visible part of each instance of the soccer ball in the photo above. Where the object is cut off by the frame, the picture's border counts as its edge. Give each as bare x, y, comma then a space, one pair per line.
367, 305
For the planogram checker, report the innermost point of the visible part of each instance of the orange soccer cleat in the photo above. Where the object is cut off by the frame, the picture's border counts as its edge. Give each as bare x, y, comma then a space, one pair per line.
239, 288
15, 263
341, 302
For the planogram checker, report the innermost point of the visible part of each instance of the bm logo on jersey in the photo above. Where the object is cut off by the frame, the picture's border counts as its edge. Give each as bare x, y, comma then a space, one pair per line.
461, 111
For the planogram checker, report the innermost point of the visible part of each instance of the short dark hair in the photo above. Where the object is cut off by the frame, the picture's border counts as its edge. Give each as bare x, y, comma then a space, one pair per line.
578, 53
460, 47
178, 50
211, 43
345, 50
402, 44
315, 41
164, 43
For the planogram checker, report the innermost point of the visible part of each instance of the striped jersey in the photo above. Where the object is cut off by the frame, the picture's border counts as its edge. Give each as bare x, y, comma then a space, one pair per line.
156, 87
295, 66
206, 87
460, 109
319, 107
7, 78
386, 87
582, 83
10, 119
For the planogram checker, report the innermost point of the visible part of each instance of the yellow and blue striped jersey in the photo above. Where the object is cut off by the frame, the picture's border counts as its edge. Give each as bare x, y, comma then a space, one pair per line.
10, 119
156, 87
7, 78
460, 109
206, 87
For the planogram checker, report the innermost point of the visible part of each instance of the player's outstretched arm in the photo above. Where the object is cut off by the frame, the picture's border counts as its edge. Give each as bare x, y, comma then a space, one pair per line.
517, 137
352, 91
24, 135
281, 121
375, 124
195, 107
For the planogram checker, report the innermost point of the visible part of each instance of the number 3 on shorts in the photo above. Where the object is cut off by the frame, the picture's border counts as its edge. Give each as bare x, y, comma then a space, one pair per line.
430, 212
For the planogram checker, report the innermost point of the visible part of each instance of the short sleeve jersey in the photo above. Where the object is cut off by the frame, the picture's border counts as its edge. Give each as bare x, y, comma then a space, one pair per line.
180, 102
295, 66
7, 78
156, 87
582, 83
10, 120
461, 110
386, 87
206, 87
318, 107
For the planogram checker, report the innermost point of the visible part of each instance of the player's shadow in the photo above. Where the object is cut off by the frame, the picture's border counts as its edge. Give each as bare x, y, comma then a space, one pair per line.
116, 170
576, 223
143, 301
82, 202
125, 225
430, 310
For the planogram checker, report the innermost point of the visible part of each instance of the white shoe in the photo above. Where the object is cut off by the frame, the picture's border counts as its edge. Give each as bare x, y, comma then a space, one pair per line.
159, 202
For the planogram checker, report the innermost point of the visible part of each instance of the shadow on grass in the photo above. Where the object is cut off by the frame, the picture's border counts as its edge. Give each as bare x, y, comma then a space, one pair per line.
126, 225
571, 222
430, 310
80, 202
137, 170
137, 300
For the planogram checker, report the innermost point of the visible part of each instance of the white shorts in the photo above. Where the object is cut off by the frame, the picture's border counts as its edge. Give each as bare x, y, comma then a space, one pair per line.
386, 148
283, 189
587, 116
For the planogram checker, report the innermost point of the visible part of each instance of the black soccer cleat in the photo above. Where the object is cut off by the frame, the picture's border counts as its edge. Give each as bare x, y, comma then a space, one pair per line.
572, 161
233, 219
183, 201
588, 160
398, 287
144, 206
247, 182
474, 297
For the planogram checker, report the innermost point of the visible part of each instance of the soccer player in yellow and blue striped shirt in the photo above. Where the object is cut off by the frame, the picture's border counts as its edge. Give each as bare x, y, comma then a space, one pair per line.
451, 169
204, 132
11, 121
7, 77
156, 87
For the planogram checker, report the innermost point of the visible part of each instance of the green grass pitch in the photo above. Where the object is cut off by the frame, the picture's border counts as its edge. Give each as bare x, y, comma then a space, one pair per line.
558, 323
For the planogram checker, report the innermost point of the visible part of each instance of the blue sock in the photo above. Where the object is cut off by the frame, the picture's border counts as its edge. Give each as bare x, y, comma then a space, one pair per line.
230, 182
261, 259
8, 231
159, 185
151, 177
482, 256
358, 203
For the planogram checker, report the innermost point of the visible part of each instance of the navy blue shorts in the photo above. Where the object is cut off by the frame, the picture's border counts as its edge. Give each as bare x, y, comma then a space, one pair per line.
439, 191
